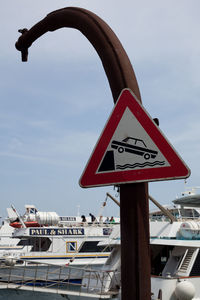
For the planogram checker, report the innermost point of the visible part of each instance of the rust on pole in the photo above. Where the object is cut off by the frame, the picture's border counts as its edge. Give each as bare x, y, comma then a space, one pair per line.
134, 214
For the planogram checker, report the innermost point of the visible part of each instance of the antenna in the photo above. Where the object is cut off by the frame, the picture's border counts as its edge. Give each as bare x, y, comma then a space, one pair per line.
78, 210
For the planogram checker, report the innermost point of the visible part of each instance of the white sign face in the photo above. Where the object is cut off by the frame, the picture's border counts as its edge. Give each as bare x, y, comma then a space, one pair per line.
131, 148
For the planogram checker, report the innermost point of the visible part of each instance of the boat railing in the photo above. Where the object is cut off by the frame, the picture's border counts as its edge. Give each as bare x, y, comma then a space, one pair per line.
86, 224
180, 218
67, 280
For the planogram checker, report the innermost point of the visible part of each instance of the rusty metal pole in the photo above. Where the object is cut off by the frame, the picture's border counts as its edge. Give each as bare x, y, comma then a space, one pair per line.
133, 197
135, 256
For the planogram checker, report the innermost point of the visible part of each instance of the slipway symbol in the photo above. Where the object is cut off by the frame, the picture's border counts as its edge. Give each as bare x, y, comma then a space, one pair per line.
132, 148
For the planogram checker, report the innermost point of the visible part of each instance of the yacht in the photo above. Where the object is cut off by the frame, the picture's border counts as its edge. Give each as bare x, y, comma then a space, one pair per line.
49, 239
55, 281
175, 256
175, 249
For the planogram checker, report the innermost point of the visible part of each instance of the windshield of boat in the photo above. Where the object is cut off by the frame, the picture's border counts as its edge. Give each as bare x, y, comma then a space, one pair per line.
178, 213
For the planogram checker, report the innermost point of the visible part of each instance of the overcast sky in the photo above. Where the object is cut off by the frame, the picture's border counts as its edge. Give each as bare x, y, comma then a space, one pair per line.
54, 107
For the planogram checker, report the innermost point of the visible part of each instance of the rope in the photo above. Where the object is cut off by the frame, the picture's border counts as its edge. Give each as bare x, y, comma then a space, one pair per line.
94, 223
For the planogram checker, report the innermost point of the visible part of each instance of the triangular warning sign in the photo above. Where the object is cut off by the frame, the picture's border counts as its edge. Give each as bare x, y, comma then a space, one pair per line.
131, 148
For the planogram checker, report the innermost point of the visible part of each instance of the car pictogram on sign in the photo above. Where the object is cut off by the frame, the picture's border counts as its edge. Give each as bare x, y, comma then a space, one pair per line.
135, 146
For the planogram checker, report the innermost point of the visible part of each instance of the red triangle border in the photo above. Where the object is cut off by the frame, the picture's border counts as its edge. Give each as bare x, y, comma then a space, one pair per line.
177, 169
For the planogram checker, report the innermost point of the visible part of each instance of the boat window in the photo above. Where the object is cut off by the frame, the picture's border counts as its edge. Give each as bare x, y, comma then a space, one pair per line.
38, 244
41, 244
19, 262
91, 246
196, 266
24, 242
189, 213
159, 258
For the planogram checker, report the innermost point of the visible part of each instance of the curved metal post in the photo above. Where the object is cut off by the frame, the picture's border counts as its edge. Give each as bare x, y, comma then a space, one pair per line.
134, 211
113, 56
